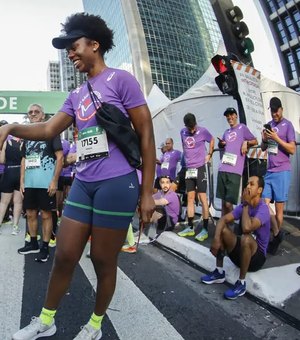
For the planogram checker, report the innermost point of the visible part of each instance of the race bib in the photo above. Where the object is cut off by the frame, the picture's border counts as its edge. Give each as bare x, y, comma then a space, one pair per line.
92, 144
272, 147
191, 173
32, 161
229, 158
165, 165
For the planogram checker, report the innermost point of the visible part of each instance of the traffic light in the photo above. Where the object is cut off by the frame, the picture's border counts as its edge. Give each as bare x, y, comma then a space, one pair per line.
240, 31
226, 80
234, 31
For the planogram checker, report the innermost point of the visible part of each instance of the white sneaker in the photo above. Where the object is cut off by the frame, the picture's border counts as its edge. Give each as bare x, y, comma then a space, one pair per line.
88, 333
15, 230
36, 329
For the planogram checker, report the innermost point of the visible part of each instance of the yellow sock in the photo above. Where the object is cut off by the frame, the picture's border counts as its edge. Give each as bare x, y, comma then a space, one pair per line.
96, 321
130, 236
47, 316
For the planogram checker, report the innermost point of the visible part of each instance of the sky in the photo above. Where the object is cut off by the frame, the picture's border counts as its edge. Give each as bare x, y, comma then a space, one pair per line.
27, 28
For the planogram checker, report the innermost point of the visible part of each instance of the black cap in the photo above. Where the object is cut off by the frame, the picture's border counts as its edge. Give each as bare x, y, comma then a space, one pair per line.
230, 110
275, 104
64, 40
3, 122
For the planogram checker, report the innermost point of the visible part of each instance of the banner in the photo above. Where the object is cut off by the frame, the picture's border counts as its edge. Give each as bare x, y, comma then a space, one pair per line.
248, 80
18, 101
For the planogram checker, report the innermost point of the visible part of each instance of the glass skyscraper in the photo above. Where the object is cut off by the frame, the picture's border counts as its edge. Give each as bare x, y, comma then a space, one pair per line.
284, 20
168, 43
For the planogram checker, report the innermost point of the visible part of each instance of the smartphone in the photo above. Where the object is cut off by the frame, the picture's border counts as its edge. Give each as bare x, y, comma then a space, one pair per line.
268, 127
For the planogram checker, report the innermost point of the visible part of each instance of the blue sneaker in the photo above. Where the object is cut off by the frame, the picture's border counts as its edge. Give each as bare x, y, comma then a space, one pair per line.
213, 277
238, 289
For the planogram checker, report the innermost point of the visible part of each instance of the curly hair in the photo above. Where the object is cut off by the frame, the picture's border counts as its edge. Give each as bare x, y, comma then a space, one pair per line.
94, 26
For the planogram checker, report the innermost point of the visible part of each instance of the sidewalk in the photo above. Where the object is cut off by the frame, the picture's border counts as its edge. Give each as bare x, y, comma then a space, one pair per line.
277, 283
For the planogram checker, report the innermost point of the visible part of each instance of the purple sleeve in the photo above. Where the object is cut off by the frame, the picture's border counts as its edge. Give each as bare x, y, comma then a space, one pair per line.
68, 107
237, 212
130, 91
291, 137
263, 214
248, 135
208, 135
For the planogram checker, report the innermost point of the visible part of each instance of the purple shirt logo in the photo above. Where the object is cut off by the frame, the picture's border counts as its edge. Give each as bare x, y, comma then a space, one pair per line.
231, 137
190, 142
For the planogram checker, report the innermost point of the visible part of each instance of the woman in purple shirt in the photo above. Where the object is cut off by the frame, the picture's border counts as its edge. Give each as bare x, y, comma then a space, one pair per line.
105, 191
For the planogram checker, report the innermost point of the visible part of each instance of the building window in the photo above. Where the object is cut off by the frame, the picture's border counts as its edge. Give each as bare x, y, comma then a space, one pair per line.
281, 33
290, 62
290, 27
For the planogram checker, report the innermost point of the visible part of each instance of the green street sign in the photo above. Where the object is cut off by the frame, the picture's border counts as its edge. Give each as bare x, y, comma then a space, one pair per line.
18, 101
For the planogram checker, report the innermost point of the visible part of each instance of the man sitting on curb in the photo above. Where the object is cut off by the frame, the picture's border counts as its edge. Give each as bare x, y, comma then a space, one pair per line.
167, 206
247, 251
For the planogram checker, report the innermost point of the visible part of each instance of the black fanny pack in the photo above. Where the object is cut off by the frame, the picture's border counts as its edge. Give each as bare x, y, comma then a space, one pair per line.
118, 128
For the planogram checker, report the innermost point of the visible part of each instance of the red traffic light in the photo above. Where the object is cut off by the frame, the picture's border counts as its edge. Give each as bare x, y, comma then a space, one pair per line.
221, 63
234, 14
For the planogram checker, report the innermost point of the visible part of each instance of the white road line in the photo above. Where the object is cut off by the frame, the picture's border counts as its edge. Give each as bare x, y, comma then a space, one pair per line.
11, 281
132, 314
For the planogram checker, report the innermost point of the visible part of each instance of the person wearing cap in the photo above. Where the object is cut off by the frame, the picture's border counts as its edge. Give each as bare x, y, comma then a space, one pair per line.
235, 142
193, 139
278, 138
105, 192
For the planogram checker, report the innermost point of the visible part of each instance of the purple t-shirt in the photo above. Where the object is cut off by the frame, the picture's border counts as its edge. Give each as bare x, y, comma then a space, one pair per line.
281, 161
172, 208
234, 138
261, 212
193, 145
113, 86
66, 172
169, 163
158, 166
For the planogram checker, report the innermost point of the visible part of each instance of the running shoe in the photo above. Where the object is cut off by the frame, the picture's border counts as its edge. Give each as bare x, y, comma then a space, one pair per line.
274, 244
35, 330
88, 333
27, 237
187, 232
43, 256
213, 277
15, 230
203, 235
29, 248
129, 249
238, 289
52, 242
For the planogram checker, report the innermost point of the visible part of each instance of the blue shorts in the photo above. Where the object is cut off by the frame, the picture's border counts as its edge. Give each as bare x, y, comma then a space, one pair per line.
110, 203
277, 185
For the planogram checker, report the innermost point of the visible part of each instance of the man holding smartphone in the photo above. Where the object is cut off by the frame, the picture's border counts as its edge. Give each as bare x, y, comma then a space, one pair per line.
278, 137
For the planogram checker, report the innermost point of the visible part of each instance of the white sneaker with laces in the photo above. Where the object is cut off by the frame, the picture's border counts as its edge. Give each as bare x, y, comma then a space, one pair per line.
88, 333
15, 230
36, 329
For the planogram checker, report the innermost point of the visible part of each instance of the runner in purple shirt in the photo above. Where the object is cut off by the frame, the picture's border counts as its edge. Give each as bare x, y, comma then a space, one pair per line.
169, 201
105, 191
235, 141
193, 139
247, 251
278, 137
170, 160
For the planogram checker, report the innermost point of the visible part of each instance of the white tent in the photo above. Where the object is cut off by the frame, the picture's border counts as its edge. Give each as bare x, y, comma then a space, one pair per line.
205, 100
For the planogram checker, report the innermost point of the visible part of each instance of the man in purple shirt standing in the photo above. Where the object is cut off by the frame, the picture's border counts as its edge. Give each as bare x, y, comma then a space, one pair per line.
247, 251
193, 139
170, 159
236, 141
279, 139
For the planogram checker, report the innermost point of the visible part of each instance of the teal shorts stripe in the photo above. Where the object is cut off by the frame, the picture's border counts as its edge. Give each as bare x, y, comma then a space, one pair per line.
113, 213
78, 205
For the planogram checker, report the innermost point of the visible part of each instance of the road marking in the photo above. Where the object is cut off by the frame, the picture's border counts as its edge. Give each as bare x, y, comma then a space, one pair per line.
132, 314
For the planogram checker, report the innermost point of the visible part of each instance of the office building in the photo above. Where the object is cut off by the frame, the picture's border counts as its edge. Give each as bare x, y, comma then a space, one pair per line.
53, 76
284, 20
168, 43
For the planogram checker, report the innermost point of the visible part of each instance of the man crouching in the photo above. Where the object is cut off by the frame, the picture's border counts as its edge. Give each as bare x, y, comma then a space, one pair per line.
247, 251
